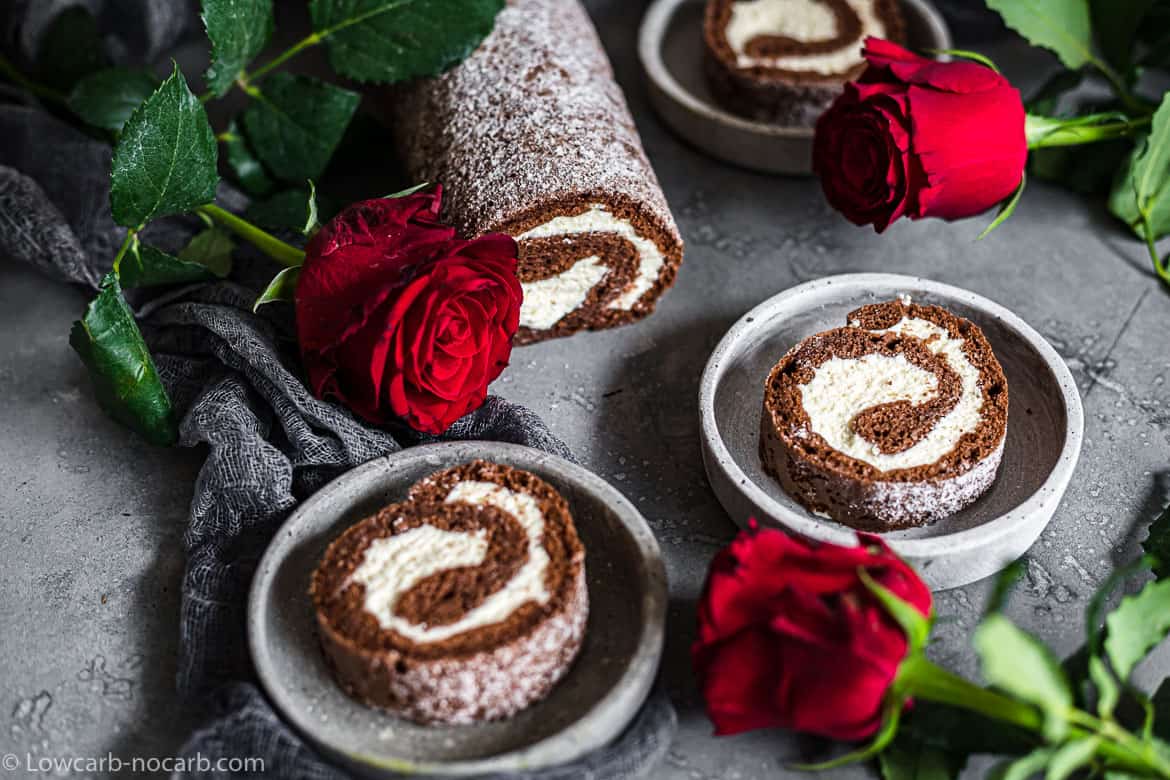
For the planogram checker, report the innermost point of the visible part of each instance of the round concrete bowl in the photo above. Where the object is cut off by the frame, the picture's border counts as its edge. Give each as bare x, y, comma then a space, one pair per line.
588, 708
1045, 426
670, 45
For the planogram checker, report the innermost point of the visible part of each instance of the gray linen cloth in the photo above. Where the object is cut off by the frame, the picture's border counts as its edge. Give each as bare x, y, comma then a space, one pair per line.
232, 376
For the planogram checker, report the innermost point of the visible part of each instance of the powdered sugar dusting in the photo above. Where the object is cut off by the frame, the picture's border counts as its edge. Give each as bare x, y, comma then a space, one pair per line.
530, 124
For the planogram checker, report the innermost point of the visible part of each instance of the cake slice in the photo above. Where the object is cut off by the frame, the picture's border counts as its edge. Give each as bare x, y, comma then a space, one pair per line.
784, 61
897, 420
466, 602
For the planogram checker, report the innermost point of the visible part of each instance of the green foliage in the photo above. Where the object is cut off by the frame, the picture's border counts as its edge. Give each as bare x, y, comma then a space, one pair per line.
393, 40
125, 379
248, 170
211, 249
1061, 26
107, 98
1006, 209
1137, 625
1141, 192
1157, 544
165, 160
146, 266
296, 122
913, 761
283, 287
1072, 168
69, 48
1018, 664
238, 31
283, 211
1024, 767
1071, 756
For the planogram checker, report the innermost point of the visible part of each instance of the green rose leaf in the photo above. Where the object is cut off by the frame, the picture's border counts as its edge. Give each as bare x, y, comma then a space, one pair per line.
1143, 188
294, 123
69, 48
106, 99
1018, 664
919, 762
283, 211
1157, 544
238, 31
146, 266
393, 40
1138, 624
1071, 756
283, 287
1024, 767
165, 160
125, 379
243, 162
211, 249
1062, 26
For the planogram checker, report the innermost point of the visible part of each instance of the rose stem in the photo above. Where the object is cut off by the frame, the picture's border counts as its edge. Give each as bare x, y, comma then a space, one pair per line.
285, 254
1042, 132
922, 679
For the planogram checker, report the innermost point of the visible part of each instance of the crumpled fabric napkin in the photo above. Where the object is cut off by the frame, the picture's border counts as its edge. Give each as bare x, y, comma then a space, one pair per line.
231, 375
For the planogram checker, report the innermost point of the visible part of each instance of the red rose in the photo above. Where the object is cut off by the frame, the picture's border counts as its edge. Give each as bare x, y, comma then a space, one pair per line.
790, 637
919, 138
397, 317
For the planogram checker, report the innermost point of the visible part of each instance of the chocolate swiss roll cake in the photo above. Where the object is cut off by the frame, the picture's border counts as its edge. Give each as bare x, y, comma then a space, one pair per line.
784, 61
531, 136
466, 602
894, 421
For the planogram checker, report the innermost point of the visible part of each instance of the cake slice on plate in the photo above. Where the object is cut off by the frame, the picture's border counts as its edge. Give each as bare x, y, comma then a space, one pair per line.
784, 61
464, 603
894, 421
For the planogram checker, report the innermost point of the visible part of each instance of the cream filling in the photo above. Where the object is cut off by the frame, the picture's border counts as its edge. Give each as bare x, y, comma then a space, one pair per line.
598, 219
842, 388
802, 20
395, 564
548, 301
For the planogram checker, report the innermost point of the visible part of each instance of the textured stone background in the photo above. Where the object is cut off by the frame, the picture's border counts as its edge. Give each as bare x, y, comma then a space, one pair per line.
90, 517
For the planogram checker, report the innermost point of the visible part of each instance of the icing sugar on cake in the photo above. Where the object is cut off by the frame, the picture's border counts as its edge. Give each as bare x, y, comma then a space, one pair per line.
465, 602
896, 420
531, 136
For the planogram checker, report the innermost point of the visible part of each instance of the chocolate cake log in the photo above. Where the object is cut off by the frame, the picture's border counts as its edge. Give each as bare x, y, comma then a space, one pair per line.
465, 602
531, 136
897, 420
784, 61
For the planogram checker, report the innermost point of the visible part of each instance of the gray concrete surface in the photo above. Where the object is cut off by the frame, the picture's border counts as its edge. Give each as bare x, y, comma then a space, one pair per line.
90, 518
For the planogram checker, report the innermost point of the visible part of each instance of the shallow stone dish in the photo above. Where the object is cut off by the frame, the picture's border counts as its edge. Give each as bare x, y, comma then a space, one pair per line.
1044, 434
593, 703
670, 46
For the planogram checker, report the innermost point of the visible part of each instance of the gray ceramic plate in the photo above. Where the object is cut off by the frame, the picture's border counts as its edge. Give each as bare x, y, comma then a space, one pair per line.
592, 705
670, 45
1045, 426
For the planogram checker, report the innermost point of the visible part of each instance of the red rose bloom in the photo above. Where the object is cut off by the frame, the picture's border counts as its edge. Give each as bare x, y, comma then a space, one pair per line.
919, 138
790, 637
397, 317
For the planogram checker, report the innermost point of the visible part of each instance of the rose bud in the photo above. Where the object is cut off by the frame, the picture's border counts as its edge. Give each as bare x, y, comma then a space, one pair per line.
398, 318
919, 138
791, 637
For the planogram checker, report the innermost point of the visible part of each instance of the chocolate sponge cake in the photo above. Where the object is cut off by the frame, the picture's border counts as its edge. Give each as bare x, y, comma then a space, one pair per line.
465, 602
784, 61
531, 136
894, 421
